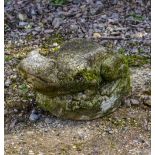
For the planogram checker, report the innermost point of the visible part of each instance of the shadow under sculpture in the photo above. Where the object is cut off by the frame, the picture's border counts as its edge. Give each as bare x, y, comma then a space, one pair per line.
81, 81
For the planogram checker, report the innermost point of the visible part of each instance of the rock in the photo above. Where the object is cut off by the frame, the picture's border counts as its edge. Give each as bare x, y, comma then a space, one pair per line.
57, 22
22, 17
48, 31
90, 2
13, 123
74, 27
31, 152
80, 35
97, 26
55, 45
61, 80
96, 35
113, 21
40, 153
15, 110
99, 3
114, 2
22, 24
134, 51
97, 9
109, 131
6, 112
76, 1
90, 33
33, 12
34, 116
134, 102
7, 82
127, 102
72, 12
48, 120
115, 33
146, 100
115, 15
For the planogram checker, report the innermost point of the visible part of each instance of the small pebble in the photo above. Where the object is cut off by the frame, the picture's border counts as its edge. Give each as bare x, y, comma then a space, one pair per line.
127, 102
57, 22
7, 82
40, 153
15, 110
55, 44
22, 24
134, 102
114, 2
5, 112
96, 35
34, 116
13, 123
31, 152
22, 17
109, 130
48, 120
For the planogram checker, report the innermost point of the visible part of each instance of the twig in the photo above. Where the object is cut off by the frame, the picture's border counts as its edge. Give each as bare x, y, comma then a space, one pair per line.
114, 38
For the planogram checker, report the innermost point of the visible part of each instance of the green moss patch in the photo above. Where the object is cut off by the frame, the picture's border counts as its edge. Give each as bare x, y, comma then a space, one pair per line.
137, 17
89, 75
8, 58
137, 61
59, 2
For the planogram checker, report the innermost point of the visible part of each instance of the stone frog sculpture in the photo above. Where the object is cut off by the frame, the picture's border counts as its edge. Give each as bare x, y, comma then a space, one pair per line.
81, 81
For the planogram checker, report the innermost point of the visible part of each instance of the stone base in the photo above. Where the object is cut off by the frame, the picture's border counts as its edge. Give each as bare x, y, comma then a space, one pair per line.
87, 105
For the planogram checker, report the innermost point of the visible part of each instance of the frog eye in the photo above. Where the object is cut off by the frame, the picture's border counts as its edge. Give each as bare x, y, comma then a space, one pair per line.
114, 67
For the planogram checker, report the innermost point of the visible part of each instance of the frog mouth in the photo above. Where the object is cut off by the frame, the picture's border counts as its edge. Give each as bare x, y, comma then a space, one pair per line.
54, 89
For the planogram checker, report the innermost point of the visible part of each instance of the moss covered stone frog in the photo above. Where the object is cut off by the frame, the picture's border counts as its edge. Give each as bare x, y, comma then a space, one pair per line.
81, 81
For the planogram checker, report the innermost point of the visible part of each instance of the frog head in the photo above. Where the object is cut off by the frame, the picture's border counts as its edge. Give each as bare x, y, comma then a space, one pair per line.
77, 66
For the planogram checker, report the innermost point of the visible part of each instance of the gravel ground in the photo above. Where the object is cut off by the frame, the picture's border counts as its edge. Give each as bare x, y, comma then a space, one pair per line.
122, 26
126, 131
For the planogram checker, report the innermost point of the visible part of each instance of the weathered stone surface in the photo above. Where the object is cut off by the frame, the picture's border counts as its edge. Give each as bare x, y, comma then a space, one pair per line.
141, 86
81, 81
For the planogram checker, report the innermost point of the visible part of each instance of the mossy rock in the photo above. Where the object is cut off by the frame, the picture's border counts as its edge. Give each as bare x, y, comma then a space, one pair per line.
79, 67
